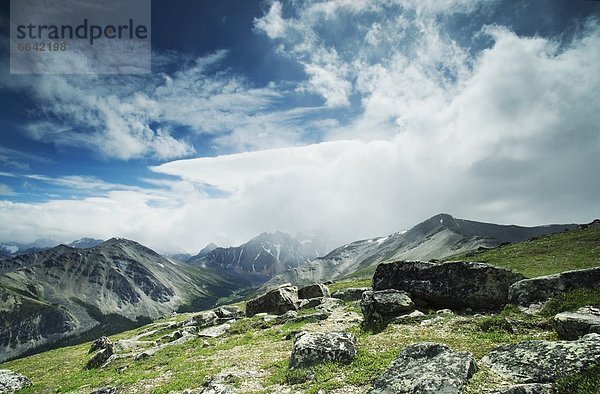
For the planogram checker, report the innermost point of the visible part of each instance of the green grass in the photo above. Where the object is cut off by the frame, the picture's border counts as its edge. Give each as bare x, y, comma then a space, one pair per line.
571, 301
570, 250
344, 284
585, 383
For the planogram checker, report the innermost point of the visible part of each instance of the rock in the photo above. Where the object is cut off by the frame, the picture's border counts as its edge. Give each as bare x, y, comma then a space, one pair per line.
444, 312
455, 284
105, 390
408, 317
313, 291
100, 358
311, 302
287, 316
217, 388
431, 322
229, 312
532, 388
382, 306
351, 293
531, 291
277, 302
100, 343
11, 381
204, 319
544, 361
329, 305
216, 331
427, 368
311, 348
573, 325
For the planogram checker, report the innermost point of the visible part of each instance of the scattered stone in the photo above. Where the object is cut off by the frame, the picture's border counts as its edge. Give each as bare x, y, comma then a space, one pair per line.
105, 390
329, 305
427, 368
203, 319
100, 358
573, 325
313, 291
287, 316
407, 317
311, 348
351, 293
100, 343
229, 312
532, 388
531, 291
432, 321
217, 388
444, 312
544, 361
129, 344
454, 284
384, 305
12, 381
277, 301
216, 331
311, 302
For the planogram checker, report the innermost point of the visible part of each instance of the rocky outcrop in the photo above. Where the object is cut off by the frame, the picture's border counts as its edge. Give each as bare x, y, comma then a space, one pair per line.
317, 347
11, 381
426, 368
100, 343
351, 293
203, 319
384, 305
531, 291
100, 358
313, 291
275, 302
573, 325
229, 312
544, 361
455, 284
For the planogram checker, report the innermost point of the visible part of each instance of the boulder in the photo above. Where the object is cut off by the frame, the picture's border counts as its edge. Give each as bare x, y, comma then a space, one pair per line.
351, 293
427, 368
105, 390
11, 381
311, 348
573, 325
100, 343
531, 291
544, 361
454, 284
100, 358
215, 331
531, 388
277, 302
310, 303
229, 312
313, 291
328, 305
384, 305
204, 319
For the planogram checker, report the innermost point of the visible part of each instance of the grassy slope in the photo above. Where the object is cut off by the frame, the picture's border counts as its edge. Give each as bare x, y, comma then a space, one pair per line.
570, 250
267, 351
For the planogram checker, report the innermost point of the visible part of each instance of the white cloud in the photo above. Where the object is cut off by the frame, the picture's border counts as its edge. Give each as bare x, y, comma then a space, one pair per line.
6, 190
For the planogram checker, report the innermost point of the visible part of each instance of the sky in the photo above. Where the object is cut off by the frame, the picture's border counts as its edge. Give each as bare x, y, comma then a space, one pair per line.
347, 119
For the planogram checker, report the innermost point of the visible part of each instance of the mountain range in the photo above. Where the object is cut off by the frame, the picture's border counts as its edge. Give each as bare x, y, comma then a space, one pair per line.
439, 237
14, 249
67, 294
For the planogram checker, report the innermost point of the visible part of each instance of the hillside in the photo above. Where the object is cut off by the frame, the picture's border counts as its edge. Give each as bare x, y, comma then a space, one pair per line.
252, 357
577, 248
65, 293
438, 237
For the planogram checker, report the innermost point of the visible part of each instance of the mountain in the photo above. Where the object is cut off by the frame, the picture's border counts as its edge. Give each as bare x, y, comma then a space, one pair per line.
263, 256
439, 237
66, 292
206, 250
85, 243
14, 248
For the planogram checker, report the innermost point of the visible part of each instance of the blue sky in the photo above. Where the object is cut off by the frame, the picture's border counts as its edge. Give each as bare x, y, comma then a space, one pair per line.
345, 118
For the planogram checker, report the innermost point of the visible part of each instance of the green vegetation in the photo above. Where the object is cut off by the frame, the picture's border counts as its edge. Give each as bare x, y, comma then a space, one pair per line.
574, 249
585, 383
347, 283
571, 301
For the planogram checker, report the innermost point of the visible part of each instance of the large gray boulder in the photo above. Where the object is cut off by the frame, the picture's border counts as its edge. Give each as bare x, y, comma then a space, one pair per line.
313, 291
544, 361
426, 368
100, 358
100, 343
573, 325
455, 284
11, 381
311, 348
384, 305
531, 291
351, 293
204, 319
276, 302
